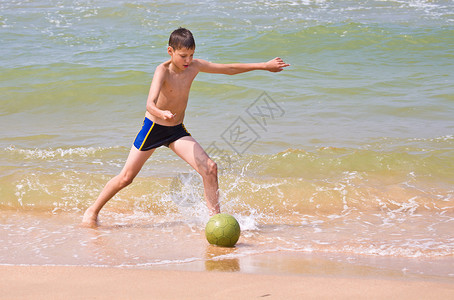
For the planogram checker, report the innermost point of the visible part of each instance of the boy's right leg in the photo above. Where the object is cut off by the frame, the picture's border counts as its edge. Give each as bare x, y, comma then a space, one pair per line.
191, 151
133, 165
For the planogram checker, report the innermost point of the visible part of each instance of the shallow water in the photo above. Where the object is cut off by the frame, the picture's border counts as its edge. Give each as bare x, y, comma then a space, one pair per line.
349, 152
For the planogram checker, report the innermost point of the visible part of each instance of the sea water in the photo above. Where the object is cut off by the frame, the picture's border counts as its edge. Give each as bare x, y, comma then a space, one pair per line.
349, 152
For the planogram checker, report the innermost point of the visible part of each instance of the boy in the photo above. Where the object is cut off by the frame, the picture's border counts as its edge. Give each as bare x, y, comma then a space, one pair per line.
163, 124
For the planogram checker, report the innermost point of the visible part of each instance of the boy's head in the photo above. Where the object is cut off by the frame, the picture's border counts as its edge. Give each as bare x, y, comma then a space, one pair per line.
181, 38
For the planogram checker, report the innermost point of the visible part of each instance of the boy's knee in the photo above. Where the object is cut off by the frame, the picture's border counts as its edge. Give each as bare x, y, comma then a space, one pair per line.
211, 168
125, 180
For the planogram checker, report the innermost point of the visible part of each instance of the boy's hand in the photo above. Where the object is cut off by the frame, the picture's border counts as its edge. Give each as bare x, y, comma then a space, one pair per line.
167, 115
276, 65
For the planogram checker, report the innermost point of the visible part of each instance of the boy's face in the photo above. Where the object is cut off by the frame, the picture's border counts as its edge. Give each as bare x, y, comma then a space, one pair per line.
181, 58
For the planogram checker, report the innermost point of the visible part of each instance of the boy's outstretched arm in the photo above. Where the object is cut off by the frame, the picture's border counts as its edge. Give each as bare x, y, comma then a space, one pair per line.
274, 65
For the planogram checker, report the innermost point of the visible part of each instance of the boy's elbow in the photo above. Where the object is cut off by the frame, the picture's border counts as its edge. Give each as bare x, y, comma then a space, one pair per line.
231, 71
150, 108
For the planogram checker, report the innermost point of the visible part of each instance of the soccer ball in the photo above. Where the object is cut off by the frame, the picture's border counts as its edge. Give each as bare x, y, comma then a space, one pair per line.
222, 230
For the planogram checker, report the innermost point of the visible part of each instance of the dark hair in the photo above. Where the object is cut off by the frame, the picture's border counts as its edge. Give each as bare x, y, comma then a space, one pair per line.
181, 38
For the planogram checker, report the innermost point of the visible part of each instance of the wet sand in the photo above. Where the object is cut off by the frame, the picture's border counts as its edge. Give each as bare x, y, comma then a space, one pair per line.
60, 282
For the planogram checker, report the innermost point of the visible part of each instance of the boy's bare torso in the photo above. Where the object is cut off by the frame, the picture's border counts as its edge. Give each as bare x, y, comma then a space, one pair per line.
174, 93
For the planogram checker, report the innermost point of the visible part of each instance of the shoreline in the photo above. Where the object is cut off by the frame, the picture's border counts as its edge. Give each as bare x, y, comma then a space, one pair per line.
76, 282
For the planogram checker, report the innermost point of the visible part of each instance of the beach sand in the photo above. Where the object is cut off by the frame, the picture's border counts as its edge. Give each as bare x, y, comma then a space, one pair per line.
65, 282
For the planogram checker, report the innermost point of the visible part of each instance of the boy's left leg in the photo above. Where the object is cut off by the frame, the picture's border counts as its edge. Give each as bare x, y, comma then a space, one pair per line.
190, 151
136, 159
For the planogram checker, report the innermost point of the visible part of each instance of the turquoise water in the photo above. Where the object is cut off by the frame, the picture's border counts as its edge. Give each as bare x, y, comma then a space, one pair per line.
355, 153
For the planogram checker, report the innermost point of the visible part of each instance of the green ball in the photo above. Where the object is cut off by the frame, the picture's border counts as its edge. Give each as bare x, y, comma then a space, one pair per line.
222, 230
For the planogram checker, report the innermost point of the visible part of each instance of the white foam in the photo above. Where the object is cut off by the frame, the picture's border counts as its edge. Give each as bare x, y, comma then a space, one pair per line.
161, 262
248, 222
52, 153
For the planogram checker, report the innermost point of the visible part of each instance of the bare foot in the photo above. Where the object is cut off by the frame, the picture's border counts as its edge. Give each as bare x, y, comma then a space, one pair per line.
90, 219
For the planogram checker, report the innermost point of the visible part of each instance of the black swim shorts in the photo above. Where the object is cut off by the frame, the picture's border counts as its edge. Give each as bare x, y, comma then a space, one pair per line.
153, 135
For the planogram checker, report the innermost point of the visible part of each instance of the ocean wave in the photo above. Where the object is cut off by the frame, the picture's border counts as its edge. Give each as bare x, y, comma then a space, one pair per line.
327, 180
430, 161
